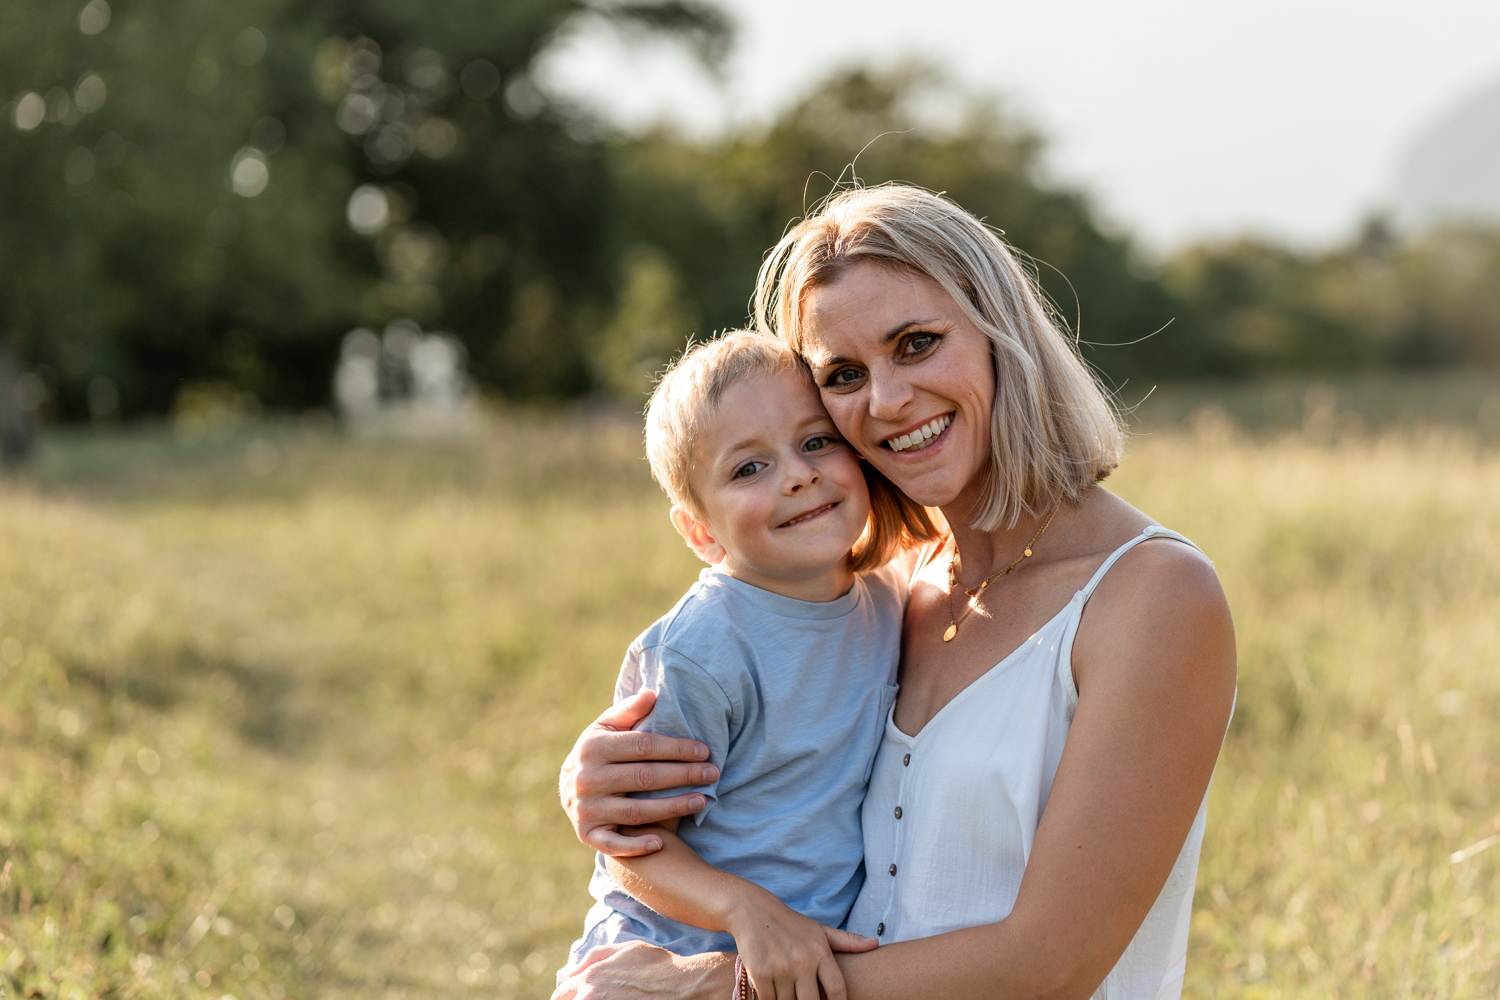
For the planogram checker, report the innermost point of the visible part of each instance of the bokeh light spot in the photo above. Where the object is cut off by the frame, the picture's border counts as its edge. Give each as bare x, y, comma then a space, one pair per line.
249, 173
436, 138
369, 210
89, 95
94, 17
358, 114
79, 167
148, 760
248, 47
268, 135
30, 110
480, 79
68, 723
523, 98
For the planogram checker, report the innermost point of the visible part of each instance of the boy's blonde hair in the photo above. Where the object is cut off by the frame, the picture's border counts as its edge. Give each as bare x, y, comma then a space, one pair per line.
684, 402
1054, 432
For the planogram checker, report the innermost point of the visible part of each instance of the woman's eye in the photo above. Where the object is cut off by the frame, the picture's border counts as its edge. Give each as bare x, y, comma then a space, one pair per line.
748, 469
919, 343
842, 377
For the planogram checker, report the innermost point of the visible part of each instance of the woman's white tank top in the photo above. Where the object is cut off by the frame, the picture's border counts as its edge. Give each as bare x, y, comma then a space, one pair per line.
951, 813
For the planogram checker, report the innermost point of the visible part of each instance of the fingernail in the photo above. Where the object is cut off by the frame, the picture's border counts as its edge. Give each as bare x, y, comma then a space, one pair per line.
701, 751
653, 845
697, 802
710, 773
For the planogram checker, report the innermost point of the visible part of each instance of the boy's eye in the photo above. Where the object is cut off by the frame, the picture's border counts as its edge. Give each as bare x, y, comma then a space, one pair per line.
748, 469
820, 443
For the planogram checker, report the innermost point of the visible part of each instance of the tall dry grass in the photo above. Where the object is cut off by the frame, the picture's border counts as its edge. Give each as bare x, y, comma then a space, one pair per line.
280, 714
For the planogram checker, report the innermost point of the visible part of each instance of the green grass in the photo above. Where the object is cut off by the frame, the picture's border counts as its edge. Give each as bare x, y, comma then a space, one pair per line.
280, 713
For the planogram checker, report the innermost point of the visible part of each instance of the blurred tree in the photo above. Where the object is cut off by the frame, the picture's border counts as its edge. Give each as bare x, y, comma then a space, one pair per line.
713, 210
1449, 280
198, 201
1427, 301
176, 182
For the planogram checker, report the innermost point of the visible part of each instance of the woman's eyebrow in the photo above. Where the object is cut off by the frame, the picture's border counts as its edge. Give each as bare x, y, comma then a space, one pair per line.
896, 331
902, 328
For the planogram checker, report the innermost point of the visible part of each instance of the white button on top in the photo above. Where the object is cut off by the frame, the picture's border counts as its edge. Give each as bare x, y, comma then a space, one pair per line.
1150, 529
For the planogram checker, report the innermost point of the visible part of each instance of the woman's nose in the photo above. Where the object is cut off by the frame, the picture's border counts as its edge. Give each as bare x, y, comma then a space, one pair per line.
889, 395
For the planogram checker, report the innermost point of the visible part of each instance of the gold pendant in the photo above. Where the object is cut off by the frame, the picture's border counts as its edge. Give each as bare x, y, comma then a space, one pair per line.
952, 631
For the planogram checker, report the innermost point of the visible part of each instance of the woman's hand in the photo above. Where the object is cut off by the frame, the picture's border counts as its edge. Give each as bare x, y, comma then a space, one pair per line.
639, 971
608, 762
789, 955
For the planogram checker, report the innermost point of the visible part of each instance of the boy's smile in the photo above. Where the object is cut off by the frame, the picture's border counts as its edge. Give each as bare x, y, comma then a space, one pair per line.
783, 497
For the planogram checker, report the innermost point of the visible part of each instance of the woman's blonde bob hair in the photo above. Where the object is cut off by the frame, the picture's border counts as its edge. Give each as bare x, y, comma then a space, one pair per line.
1054, 432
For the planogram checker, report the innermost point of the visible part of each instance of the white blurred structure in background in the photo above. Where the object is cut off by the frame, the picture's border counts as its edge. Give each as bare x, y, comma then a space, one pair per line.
403, 382
1452, 173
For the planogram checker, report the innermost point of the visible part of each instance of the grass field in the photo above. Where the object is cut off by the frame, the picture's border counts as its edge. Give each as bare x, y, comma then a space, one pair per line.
280, 713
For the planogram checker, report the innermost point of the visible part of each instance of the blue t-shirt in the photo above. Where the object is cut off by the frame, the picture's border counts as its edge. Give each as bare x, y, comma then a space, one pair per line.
791, 698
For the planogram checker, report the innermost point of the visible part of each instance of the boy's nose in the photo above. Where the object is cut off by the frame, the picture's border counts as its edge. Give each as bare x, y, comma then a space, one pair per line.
800, 473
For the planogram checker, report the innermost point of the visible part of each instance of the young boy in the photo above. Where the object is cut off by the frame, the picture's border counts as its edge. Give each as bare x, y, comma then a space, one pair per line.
781, 658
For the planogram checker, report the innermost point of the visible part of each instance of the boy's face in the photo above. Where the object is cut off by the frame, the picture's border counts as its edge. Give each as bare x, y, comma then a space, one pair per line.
782, 494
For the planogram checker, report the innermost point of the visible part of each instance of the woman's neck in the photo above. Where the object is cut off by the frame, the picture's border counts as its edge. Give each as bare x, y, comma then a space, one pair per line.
981, 553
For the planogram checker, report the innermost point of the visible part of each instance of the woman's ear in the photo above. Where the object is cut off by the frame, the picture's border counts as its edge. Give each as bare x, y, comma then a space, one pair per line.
696, 534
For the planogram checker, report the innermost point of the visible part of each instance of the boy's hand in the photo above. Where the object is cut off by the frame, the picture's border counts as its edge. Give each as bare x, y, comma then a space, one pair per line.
608, 762
789, 955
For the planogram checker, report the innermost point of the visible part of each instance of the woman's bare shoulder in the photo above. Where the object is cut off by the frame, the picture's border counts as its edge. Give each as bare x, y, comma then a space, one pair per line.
1161, 610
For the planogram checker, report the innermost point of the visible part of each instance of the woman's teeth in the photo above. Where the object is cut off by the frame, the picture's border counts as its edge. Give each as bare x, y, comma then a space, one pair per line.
921, 435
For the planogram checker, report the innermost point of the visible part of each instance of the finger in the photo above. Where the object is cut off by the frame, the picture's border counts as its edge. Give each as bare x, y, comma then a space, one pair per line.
832, 978
603, 777
619, 810
604, 746
764, 987
615, 845
846, 941
629, 712
596, 954
807, 987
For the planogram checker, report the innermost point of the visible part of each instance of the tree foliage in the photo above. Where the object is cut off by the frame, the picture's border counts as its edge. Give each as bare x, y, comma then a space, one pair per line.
714, 209
1426, 301
201, 199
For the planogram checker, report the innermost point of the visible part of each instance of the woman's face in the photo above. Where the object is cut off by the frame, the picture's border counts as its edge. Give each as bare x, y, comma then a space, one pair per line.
908, 379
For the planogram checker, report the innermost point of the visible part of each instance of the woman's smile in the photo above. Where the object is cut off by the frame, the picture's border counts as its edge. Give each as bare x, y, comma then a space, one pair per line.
921, 438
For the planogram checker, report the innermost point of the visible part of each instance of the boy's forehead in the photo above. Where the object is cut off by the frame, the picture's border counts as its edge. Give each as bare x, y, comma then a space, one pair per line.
761, 407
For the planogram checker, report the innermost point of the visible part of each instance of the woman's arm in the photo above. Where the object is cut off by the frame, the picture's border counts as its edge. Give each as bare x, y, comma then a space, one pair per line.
639, 971
788, 955
1155, 665
609, 762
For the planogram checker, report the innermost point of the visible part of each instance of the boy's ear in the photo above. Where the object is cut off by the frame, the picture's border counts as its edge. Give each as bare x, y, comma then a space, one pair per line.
695, 533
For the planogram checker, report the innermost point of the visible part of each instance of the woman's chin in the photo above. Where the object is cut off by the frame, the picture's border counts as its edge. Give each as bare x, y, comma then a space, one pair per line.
930, 487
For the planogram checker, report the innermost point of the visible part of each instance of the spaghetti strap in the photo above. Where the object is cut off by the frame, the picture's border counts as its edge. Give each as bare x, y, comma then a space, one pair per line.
1149, 532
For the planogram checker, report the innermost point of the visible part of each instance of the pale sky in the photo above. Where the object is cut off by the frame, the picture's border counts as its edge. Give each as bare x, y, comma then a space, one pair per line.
1185, 118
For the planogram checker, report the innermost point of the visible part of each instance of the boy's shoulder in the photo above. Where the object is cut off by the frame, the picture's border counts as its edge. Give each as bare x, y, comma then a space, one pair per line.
889, 586
703, 626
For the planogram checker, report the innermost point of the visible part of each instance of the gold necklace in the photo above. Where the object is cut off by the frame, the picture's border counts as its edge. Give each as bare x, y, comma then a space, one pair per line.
978, 592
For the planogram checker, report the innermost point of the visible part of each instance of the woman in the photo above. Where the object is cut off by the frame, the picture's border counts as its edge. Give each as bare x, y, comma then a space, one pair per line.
1036, 809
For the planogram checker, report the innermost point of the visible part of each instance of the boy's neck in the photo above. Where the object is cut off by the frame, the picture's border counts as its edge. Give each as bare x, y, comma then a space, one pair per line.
817, 589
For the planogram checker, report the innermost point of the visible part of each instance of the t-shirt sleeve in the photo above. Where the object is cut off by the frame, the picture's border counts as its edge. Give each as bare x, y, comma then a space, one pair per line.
689, 703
